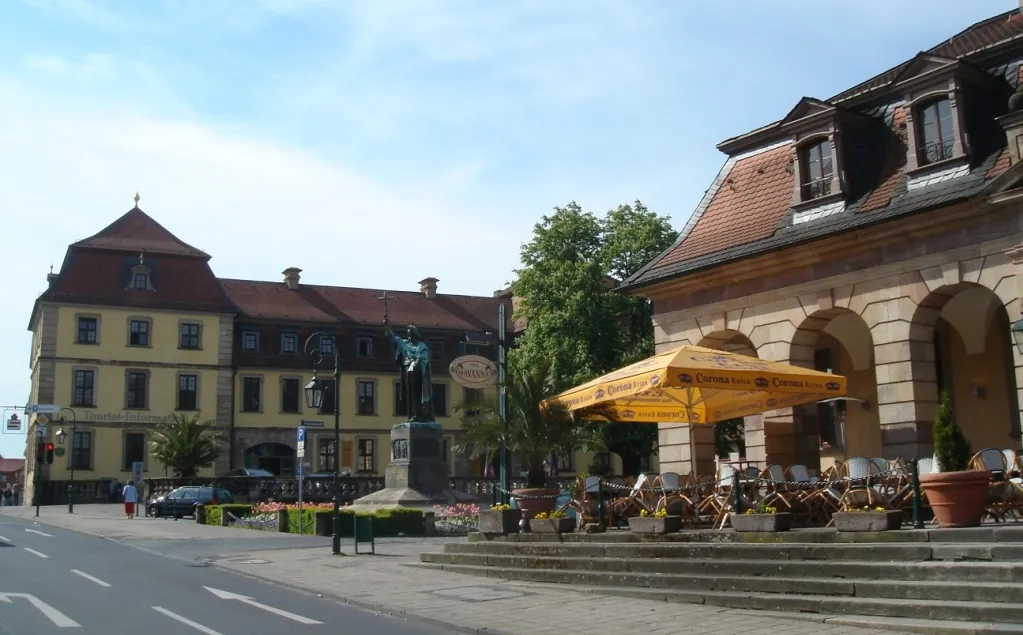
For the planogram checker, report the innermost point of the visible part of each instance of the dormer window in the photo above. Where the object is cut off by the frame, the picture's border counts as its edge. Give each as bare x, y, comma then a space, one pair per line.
141, 281
937, 132
817, 170
141, 278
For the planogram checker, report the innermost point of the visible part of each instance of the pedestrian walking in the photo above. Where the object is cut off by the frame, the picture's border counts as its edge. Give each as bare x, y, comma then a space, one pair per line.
131, 496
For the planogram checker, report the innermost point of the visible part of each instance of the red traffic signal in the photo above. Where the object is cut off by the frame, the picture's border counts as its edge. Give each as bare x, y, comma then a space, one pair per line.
49, 453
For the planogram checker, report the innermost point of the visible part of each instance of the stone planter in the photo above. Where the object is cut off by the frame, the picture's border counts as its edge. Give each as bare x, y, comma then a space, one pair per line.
282, 521
868, 521
530, 506
564, 525
500, 522
957, 498
761, 522
654, 525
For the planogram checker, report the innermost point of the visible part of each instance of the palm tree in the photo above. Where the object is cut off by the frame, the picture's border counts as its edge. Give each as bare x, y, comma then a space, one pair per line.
533, 432
184, 444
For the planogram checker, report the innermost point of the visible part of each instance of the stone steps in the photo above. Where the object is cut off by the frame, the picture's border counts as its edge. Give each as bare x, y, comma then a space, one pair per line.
999, 573
787, 594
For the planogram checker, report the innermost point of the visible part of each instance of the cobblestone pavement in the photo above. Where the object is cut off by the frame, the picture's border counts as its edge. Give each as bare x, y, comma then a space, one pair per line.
386, 583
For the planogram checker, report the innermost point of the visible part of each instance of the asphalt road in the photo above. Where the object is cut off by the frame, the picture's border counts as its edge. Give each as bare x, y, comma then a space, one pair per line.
57, 581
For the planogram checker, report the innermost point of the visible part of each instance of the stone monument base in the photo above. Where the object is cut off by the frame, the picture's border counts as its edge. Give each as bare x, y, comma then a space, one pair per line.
417, 476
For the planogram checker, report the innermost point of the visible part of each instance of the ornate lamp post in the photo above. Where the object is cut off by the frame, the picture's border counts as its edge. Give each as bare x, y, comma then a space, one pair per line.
61, 435
314, 392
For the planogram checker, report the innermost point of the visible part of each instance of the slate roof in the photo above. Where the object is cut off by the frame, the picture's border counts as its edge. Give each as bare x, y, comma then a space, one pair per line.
748, 208
351, 305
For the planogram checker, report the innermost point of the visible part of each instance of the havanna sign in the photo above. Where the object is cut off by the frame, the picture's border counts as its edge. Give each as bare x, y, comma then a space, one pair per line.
473, 372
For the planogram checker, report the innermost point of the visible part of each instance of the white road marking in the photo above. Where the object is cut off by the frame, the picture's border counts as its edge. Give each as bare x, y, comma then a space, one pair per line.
4, 539
89, 577
36, 553
185, 620
227, 595
41, 533
59, 619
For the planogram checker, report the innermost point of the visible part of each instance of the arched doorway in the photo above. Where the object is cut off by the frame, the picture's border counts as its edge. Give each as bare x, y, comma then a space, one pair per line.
276, 458
839, 341
728, 440
961, 336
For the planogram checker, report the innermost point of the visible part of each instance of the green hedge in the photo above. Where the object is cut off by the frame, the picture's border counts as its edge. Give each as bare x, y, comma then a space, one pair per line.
386, 522
308, 521
214, 512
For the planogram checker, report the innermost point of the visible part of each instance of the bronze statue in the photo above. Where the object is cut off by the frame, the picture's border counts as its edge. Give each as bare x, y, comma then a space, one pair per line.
413, 357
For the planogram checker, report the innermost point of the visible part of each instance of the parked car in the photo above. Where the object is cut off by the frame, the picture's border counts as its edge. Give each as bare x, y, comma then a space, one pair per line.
183, 501
249, 471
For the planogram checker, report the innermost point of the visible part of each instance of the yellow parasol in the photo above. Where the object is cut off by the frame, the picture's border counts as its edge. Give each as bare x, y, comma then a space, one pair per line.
691, 384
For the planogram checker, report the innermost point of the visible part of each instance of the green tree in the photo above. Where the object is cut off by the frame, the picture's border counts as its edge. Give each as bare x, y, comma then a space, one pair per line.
951, 448
532, 433
184, 444
575, 317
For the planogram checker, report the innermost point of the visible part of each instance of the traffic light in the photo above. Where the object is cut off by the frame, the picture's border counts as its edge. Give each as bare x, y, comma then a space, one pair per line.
40, 451
49, 453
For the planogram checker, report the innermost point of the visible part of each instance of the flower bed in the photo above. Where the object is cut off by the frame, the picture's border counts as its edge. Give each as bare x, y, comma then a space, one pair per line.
457, 520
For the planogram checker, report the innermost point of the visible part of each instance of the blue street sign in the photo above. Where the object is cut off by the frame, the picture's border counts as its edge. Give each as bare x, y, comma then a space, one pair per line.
301, 435
298, 468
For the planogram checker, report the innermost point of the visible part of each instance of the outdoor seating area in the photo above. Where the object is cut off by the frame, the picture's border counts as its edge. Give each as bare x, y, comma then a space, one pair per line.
858, 483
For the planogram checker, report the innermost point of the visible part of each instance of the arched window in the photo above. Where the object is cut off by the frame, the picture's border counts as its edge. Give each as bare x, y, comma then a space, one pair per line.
817, 169
936, 137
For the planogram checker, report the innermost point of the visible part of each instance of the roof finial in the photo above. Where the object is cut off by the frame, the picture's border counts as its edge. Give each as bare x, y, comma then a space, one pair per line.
137, 197
142, 257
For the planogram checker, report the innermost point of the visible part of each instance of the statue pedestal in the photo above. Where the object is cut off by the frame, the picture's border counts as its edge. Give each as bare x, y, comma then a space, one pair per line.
417, 476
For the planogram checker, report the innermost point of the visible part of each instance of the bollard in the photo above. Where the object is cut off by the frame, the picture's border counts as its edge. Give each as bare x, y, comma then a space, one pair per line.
600, 504
914, 471
736, 493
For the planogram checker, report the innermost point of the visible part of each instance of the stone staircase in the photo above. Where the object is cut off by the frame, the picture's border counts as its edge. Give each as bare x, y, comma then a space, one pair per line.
934, 581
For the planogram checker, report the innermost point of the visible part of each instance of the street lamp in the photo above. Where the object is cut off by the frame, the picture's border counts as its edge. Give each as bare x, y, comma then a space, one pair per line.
61, 435
314, 392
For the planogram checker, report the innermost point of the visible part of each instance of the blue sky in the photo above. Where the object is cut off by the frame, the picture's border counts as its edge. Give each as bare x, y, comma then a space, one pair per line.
339, 137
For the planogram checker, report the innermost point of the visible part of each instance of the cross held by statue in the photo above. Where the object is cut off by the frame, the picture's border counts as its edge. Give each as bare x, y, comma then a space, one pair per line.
385, 298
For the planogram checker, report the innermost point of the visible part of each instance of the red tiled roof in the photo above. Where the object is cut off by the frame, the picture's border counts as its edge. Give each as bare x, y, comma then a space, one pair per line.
318, 303
11, 465
136, 231
1000, 166
756, 194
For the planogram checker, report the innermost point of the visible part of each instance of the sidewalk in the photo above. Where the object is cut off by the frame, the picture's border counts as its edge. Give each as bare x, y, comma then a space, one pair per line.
387, 583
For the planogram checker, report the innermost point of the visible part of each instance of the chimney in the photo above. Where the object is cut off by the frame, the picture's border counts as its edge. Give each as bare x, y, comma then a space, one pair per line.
291, 277
428, 287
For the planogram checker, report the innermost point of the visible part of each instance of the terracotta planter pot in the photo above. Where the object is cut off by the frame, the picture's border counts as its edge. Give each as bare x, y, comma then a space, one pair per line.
532, 506
552, 525
654, 525
500, 522
761, 522
868, 521
957, 498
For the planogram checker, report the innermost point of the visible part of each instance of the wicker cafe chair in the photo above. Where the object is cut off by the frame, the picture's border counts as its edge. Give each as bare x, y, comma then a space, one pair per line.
808, 497
776, 490
641, 497
721, 501
1001, 493
677, 492
585, 500
856, 494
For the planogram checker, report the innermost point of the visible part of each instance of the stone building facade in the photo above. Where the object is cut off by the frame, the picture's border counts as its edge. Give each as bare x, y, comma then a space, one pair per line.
877, 234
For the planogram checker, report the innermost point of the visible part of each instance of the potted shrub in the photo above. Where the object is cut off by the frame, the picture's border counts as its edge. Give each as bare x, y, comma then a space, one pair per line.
868, 519
552, 523
532, 433
657, 523
763, 517
500, 520
956, 494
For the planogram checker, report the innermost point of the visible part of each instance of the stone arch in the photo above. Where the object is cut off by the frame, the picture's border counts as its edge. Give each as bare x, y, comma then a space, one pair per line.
729, 340
839, 340
960, 343
276, 458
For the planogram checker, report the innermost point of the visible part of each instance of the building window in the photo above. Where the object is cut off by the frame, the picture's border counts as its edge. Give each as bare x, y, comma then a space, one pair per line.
817, 170
138, 333
472, 348
250, 341
188, 392
440, 400
326, 345
289, 395
937, 132
87, 330
85, 386
134, 449
400, 407
81, 450
137, 392
472, 397
367, 397
327, 455
436, 349
565, 462
189, 336
141, 281
364, 346
327, 407
251, 401
289, 343
365, 463
646, 463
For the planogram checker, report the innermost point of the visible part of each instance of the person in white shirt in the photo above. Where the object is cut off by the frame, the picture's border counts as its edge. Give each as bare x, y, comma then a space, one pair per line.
131, 496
